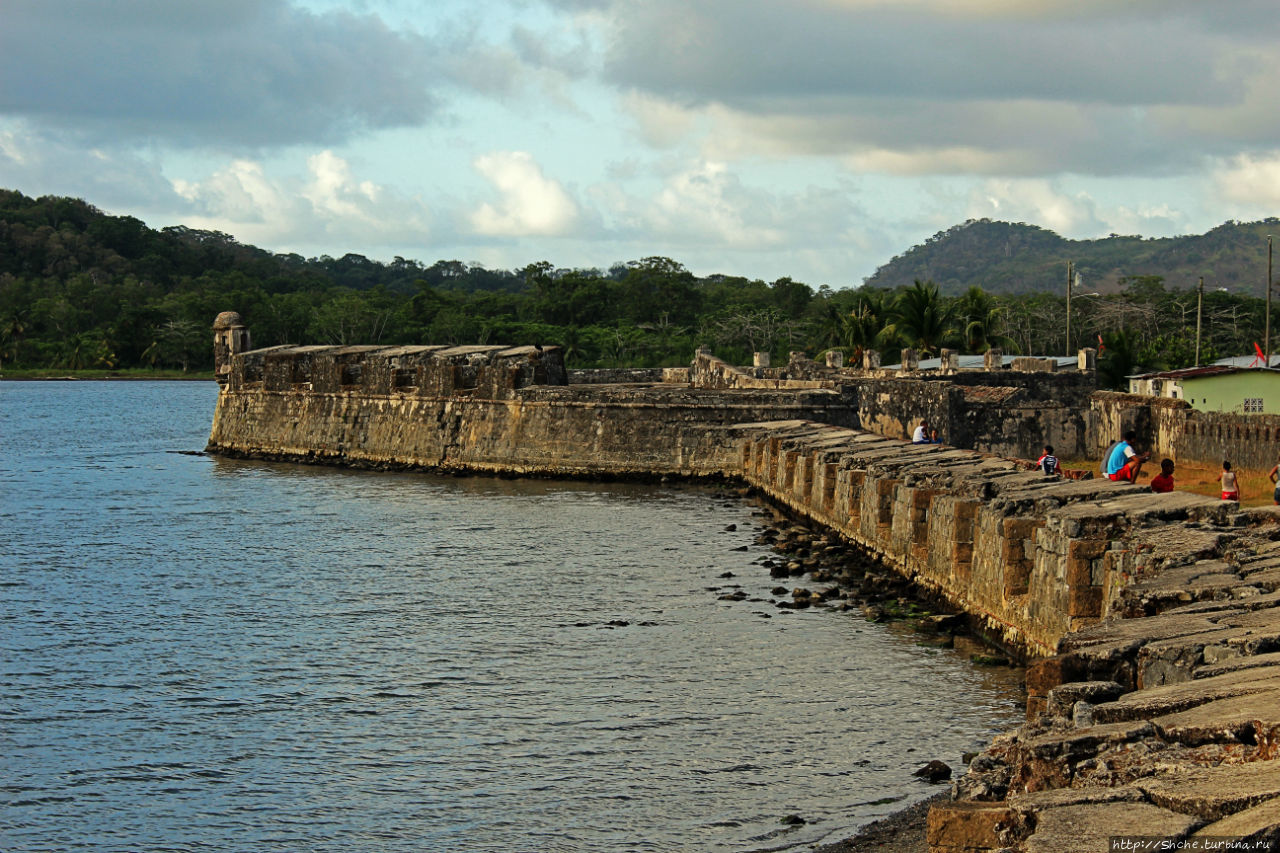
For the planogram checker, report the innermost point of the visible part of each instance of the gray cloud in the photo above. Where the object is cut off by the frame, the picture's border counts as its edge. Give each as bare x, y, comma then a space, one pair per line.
244, 72
734, 52
51, 164
1085, 86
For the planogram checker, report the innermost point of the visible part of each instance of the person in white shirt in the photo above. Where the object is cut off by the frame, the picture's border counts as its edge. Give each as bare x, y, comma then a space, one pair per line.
921, 435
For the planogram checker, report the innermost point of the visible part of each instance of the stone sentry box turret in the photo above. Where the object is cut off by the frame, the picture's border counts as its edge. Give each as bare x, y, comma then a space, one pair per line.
230, 338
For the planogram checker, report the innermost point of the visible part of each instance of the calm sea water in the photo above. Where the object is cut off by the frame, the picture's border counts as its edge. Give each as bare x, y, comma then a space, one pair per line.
204, 654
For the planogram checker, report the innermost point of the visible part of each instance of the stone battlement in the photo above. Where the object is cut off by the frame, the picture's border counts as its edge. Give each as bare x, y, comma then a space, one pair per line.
495, 371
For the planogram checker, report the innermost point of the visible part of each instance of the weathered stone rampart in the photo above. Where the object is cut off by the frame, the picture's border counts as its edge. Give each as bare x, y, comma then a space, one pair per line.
498, 409
1154, 699
1009, 412
1156, 709
1036, 557
1172, 428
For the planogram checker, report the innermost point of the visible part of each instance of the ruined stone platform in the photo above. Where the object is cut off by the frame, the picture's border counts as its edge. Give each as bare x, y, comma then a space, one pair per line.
1154, 706
1164, 721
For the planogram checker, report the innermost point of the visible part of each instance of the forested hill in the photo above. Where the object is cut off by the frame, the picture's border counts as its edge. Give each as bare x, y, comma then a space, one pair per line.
58, 237
1006, 257
83, 290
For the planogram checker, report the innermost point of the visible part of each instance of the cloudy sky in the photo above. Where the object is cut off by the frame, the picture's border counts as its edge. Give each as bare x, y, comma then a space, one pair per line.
765, 138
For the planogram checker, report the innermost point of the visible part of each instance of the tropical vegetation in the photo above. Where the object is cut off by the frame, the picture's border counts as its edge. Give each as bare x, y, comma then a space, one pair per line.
84, 290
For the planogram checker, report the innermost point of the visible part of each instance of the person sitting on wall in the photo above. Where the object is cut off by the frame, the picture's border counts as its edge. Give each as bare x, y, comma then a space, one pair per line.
1125, 463
1163, 482
934, 438
1230, 486
921, 435
1048, 463
1274, 474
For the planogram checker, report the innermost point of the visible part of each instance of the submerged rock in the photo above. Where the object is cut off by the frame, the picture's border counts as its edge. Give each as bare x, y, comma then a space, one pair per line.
934, 771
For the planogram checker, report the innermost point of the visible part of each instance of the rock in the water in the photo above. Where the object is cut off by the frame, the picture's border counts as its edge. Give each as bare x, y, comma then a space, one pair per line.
942, 622
934, 771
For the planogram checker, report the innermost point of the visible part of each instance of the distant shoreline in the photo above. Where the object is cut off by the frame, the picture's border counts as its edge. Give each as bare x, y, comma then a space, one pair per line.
79, 376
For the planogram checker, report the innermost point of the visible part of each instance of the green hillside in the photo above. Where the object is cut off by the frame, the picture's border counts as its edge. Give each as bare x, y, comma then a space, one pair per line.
82, 290
1012, 258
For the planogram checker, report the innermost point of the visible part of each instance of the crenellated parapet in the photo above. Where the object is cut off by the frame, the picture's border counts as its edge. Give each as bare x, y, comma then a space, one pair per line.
489, 408
487, 371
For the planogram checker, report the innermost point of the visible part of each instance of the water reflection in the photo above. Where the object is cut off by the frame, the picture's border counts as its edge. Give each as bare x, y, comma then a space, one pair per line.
206, 653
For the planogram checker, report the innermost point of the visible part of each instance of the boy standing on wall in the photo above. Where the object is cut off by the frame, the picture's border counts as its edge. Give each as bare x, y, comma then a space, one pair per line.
1230, 486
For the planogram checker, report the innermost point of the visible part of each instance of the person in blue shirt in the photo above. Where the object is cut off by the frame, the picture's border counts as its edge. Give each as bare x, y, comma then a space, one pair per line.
1125, 463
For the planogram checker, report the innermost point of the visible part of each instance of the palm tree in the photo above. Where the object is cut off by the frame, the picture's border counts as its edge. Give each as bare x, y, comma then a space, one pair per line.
1118, 360
854, 328
921, 319
982, 322
867, 320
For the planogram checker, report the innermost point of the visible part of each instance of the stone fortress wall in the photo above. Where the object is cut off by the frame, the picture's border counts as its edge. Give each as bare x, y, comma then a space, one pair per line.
1154, 699
1172, 428
484, 408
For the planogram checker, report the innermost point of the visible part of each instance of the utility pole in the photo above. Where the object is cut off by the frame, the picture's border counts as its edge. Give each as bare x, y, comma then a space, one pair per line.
1199, 312
1070, 264
1266, 347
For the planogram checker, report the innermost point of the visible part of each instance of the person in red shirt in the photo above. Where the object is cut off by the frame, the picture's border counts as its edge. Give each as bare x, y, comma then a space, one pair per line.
1163, 482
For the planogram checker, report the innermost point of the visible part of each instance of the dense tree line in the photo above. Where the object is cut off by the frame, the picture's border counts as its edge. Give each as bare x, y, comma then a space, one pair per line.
82, 289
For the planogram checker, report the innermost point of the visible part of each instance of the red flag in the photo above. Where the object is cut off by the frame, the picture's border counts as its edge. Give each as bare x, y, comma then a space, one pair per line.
1101, 345
1261, 356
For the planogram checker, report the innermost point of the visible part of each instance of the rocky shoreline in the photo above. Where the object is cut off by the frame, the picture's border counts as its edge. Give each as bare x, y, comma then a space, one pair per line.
840, 577
901, 832
1164, 723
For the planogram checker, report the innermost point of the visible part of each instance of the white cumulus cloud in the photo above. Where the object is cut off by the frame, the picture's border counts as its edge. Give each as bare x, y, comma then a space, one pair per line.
1036, 201
329, 205
1253, 181
531, 203
709, 202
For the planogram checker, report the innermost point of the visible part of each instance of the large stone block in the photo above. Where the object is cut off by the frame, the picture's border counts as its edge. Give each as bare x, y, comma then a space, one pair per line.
966, 826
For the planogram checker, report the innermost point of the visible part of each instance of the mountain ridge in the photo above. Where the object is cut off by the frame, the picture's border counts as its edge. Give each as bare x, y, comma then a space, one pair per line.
1016, 258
